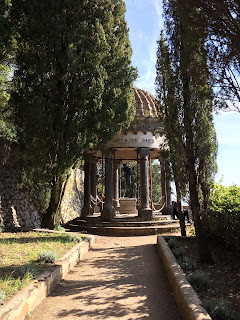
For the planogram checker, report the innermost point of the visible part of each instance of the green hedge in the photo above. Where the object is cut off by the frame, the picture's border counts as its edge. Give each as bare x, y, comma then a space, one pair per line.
224, 214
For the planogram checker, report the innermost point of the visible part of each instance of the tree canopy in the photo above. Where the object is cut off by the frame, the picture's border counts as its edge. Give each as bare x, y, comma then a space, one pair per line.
222, 21
6, 57
72, 83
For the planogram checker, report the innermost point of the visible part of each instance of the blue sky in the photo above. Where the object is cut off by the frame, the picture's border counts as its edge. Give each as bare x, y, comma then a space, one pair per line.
144, 18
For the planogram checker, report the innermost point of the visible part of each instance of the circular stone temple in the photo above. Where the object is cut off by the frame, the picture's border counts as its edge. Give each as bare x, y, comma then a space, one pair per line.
142, 142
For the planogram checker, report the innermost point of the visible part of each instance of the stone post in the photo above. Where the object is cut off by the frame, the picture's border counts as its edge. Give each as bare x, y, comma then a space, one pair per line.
86, 199
93, 208
145, 212
108, 209
169, 198
116, 203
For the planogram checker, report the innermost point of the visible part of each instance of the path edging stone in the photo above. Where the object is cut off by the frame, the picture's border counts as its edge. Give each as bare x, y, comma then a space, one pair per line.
187, 299
32, 295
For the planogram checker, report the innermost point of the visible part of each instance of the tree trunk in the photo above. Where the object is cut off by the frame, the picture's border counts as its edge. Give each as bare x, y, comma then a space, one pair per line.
201, 235
52, 216
180, 213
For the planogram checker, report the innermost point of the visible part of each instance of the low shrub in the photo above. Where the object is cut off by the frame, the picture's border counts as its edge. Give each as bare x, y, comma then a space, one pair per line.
59, 228
167, 238
173, 243
47, 256
74, 238
199, 280
192, 232
28, 271
218, 309
187, 263
179, 252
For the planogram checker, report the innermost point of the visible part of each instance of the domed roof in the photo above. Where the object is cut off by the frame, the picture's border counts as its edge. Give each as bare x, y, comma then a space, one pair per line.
145, 104
145, 131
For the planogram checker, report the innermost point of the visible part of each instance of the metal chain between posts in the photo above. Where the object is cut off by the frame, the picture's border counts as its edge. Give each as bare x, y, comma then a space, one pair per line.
160, 208
96, 200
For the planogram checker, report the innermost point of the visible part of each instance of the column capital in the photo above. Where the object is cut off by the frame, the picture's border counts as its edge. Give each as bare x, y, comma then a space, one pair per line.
94, 160
144, 152
117, 164
109, 153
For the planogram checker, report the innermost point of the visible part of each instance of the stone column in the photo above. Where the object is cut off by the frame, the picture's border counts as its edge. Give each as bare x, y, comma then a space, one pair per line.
145, 212
166, 187
86, 203
163, 185
116, 203
93, 208
108, 209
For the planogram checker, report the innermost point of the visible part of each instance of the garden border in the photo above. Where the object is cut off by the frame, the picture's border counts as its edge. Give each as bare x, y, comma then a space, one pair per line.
28, 298
187, 299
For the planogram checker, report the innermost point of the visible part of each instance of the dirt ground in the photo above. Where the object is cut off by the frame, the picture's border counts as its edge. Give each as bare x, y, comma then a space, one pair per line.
120, 278
224, 274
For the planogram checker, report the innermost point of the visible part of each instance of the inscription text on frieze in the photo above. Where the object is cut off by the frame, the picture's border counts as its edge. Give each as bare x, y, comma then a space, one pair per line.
140, 139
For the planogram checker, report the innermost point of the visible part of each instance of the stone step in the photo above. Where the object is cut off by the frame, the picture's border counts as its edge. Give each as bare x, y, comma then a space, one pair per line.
125, 217
123, 231
122, 223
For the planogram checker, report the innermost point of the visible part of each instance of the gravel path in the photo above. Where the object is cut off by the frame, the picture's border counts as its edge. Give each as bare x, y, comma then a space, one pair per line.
120, 278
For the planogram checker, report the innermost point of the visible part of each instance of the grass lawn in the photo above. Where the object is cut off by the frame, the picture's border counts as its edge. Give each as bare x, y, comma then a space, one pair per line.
20, 257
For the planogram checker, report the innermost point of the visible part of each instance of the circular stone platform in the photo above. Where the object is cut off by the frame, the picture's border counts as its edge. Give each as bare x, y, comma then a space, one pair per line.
123, 225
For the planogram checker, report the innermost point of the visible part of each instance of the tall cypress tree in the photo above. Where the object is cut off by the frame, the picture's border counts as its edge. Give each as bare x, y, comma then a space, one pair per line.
73, 85
171, 114
185, 95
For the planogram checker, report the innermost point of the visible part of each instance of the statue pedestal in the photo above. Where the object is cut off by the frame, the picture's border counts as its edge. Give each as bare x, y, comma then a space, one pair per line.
128, 205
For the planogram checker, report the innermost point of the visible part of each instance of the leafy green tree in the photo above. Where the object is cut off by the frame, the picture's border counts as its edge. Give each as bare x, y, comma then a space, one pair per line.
72, 85
224, 215
186, 101
6, 49
5, 129
156, 182
223, 26
5, 30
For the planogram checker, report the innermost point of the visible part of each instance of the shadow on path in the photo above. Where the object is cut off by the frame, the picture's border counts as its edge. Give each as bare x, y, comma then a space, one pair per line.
115, 281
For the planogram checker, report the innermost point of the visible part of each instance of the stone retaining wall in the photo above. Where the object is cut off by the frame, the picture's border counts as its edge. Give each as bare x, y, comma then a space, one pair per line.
16, 206
73, 198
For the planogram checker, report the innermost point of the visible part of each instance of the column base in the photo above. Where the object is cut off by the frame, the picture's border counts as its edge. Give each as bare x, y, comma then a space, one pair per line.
107, 214
116, 205
145, 214
164, 211
85, 212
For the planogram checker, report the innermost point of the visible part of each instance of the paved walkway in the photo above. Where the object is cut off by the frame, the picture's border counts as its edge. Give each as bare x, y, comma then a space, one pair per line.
120, 278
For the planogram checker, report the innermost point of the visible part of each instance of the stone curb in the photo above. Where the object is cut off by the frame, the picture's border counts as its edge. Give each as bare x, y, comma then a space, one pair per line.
187, 300
31, 296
